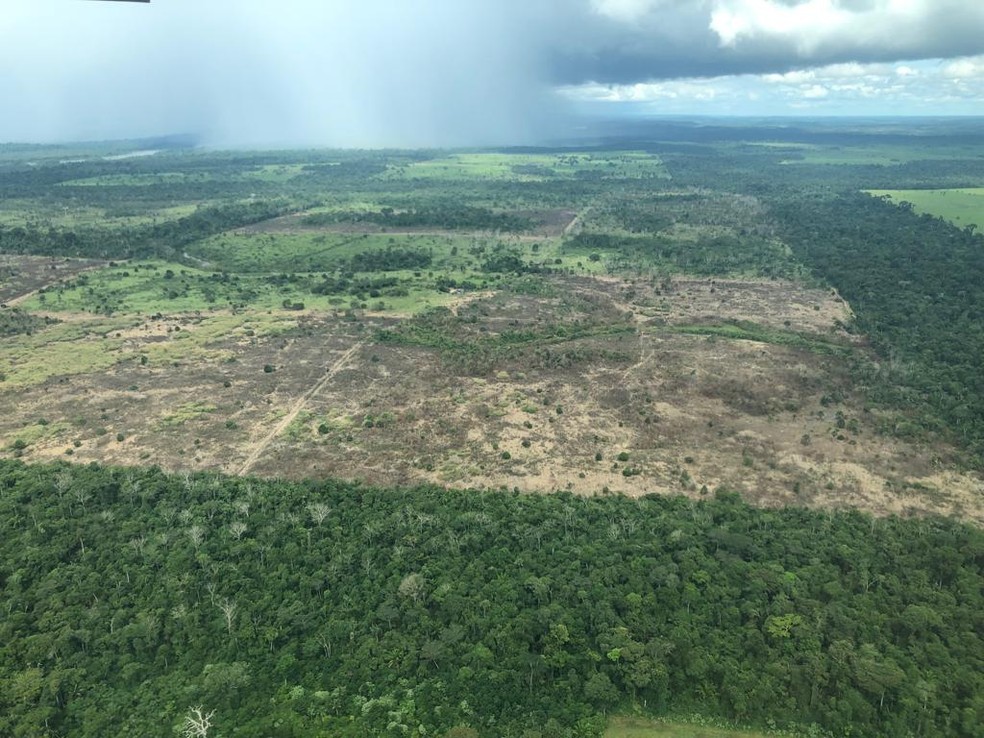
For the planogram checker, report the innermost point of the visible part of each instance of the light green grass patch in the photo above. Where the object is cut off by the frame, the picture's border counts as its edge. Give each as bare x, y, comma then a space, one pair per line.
962, 207
880, 154
276, 173
630, 727
60, 349
533, 167
183, 413
23, 213
300, 427
317, 252
35, 432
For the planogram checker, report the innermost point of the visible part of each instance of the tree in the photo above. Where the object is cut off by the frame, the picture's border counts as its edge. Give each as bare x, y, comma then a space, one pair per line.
228, 608
412, 587
197, 723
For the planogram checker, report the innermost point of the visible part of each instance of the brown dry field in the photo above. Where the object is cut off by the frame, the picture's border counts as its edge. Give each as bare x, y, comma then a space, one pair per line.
693, 413
22, 276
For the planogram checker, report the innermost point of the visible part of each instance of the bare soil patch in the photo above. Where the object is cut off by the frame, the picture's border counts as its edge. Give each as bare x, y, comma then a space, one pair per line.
690, 413
22, 276
776, 303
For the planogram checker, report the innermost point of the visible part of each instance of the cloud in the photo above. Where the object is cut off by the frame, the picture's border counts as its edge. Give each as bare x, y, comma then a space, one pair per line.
377, 72
926, 87
641, 40
449, 72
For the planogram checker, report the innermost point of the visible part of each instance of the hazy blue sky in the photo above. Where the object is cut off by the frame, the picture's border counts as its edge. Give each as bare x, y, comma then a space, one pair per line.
452, 72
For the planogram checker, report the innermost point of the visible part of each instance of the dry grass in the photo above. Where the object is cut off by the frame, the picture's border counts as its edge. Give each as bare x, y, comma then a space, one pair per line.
692, 412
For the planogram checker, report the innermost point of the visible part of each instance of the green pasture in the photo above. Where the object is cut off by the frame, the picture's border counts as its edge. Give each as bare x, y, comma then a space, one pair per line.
15, 213
276, 173
962, 207
533, 167
262, 253
64, 348
877, 154
99, 343
145, 288
318, 251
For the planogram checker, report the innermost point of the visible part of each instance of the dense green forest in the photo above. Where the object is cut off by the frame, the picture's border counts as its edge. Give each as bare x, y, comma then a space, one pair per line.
916, 284
327, 608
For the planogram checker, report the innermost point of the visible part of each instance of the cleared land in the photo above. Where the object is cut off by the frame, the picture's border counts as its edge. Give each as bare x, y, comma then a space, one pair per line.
650, 340
679, 385
962, 207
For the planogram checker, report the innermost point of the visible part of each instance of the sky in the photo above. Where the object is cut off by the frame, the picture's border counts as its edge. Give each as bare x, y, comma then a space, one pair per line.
377, 73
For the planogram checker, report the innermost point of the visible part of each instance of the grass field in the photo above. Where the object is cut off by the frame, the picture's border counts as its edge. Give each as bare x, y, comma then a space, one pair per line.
22, 213
149, 287
278, 173
881, 155
625, 727
962, 207
534, 167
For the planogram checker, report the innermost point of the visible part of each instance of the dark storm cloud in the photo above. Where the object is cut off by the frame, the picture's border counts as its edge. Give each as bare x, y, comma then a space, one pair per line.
412, 72
627, 41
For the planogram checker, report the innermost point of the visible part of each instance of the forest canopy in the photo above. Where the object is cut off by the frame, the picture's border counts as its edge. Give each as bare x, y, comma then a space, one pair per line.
328, 608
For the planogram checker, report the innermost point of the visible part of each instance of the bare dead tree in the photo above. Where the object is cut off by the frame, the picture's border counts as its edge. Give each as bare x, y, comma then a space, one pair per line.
83, 496
138, 544
237, 528
197, 723
319, 512
228, 608
196, 534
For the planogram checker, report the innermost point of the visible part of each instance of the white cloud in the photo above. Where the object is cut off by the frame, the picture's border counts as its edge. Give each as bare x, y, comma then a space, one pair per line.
797, 76
808, 22
968, 68
813, 26
926, 87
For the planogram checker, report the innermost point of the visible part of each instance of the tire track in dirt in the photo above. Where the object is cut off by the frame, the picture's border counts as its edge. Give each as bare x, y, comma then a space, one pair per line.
573, 228
295, 410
